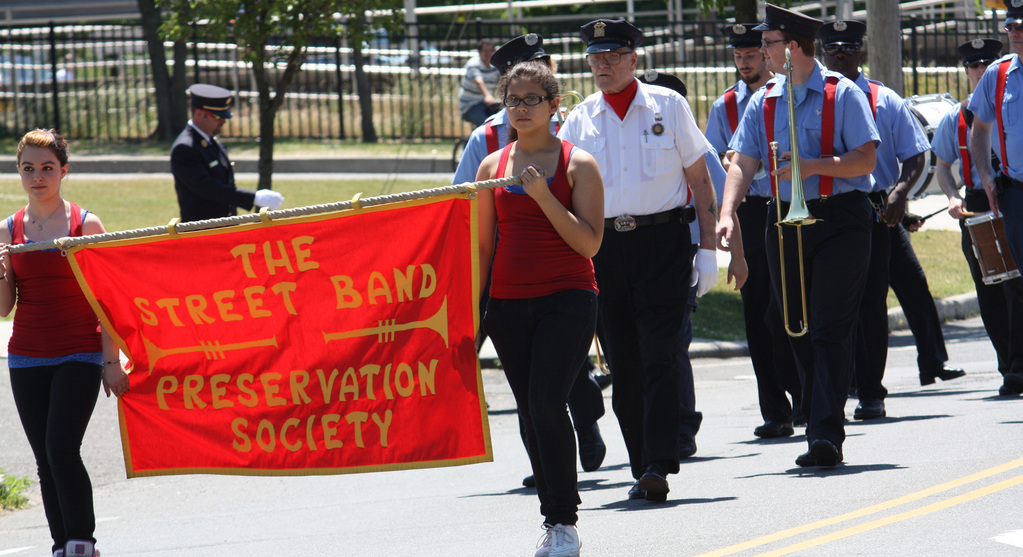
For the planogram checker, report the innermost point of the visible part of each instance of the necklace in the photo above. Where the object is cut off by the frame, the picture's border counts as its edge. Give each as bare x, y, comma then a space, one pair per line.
39, 224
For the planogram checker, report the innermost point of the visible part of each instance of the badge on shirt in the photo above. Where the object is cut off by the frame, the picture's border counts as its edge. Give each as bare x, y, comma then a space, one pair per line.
203, 143
214, 163
658, 127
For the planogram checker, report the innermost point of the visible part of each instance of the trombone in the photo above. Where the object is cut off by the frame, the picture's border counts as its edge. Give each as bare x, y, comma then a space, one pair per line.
798, 214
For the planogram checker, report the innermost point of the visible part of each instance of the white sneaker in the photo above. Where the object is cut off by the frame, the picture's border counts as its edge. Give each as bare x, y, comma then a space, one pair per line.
559, 541
80, 548
58, 553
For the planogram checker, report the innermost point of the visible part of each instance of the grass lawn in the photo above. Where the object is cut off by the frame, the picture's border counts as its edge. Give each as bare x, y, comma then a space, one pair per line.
133, 202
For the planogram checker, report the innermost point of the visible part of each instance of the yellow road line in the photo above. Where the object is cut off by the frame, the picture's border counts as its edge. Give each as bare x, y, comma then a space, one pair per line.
866, 511
867, 526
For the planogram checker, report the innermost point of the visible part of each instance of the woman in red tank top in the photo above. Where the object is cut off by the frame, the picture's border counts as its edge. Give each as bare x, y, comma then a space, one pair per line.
542, 310
58, 355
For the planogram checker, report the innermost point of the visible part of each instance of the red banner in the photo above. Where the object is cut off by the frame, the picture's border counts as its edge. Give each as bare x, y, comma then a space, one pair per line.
333, 343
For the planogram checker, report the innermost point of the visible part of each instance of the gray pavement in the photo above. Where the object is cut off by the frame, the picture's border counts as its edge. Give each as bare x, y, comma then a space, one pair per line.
941, 475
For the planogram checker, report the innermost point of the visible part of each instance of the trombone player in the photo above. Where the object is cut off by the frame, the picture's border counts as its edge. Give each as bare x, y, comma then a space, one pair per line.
827, 256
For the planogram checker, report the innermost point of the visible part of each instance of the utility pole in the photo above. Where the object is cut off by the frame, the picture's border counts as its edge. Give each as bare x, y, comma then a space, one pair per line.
884, 53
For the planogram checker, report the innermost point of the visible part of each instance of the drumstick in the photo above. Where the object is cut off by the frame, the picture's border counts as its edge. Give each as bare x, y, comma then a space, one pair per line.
968, 214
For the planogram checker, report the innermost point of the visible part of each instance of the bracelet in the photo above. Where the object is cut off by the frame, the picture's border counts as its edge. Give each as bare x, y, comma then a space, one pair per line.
108, 362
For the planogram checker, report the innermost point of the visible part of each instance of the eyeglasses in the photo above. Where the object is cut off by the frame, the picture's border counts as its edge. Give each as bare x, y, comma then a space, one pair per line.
842, 49
1017, 27
612, 58
531, 100
979, 64
767, 44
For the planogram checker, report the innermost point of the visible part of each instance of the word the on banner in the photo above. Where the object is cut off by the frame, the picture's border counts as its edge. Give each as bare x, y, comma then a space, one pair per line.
333, 343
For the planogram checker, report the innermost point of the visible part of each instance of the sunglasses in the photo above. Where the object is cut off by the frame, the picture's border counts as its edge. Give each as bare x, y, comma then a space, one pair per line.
1018, 27
842, 49
979, 64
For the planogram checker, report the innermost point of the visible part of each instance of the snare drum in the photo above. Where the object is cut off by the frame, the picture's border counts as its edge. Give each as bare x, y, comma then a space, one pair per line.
929, 109
989, 245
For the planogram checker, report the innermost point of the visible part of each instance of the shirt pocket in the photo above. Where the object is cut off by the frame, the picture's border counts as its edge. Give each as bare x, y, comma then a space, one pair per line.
1011, 107
659, 153
595, 146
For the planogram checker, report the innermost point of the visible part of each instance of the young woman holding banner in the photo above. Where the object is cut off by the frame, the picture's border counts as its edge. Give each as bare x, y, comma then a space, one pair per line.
58, 353
543, 295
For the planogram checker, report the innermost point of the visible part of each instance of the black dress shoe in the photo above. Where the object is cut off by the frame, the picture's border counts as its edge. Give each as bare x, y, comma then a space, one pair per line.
1012, 384
654, 484
686, 448
822, 453
944, 373
591, 447
636, 493
869, 410
529, 481
772, 429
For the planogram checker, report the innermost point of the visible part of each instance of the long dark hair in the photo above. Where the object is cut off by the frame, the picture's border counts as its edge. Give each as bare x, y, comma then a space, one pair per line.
538, 72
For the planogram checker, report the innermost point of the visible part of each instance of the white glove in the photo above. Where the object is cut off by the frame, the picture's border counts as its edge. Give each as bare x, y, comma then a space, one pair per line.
705, 271
269, 199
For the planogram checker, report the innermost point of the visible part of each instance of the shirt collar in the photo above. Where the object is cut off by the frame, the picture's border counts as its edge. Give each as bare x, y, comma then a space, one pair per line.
200, 132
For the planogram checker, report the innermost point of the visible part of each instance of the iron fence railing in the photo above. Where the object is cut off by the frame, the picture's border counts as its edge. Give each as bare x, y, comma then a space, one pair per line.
95, 81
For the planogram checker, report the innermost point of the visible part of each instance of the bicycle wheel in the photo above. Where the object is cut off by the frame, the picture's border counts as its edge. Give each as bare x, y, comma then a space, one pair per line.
456, 154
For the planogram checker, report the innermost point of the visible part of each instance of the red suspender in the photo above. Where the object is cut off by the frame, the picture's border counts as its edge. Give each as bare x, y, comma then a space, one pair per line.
1003, 68
828, 130
769, 103
732, 109
872, 98
491, 135
964, 151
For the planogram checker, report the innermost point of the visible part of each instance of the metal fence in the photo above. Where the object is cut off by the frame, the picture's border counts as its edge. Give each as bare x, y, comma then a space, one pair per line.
95, 81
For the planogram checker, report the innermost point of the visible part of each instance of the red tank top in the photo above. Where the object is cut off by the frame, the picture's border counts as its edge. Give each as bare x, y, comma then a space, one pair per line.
532, 259
53, 318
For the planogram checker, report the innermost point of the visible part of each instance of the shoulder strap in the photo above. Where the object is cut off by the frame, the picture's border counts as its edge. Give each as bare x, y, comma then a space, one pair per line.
732, 109
875, 89
503, 162
493, 142
964, 148
1003, 69
769, 104
16, 223
828, 130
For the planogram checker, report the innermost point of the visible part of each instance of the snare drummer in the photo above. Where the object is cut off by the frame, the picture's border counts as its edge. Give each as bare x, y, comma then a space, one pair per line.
1001, 305
892, 260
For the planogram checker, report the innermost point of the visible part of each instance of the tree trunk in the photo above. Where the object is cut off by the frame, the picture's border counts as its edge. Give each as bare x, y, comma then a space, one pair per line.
885, 34
369, 134
746, 11
178, 99
151, 20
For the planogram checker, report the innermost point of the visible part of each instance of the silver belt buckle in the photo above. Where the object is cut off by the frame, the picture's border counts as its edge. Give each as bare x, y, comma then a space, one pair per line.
625, 223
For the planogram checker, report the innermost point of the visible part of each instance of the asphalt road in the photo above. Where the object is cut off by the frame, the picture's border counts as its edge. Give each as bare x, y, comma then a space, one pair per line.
941, 475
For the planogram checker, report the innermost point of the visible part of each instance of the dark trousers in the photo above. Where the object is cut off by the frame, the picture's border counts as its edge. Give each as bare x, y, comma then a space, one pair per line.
836, 253
1001, 305
542, 343
55, 404
909, 283
1010, 203
872, 331
643, 277
769, 348
689, 418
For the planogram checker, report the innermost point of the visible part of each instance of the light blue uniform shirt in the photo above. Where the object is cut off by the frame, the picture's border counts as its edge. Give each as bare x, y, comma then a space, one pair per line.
717, 177
901, 136
476, 148
719, 133
946, 144
982, 103
854, 126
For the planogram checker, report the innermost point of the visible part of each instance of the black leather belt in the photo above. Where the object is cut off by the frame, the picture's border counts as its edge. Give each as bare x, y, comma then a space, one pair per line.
830, 201
1009, 182
625, 223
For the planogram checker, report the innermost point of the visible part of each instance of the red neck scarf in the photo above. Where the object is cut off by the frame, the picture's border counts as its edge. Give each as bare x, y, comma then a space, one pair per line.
620, 101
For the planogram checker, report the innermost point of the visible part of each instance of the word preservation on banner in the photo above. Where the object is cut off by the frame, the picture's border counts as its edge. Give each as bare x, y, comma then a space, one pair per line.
336, 343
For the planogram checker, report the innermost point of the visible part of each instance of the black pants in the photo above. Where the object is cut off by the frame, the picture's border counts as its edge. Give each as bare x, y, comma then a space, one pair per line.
1001, 305
909, 283
55, 404
542, 343
836, 253
872, 331
643, 276
769, 349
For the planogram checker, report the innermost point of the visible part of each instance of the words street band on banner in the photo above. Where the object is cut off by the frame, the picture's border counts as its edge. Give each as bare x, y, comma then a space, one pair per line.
327, 344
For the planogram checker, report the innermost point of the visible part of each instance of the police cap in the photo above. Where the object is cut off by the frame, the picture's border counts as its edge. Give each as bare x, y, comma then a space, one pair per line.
662, 79
743, 35
979, 50
788, 21
1013, 12
520, 49
211, 98
605, 35
841, 32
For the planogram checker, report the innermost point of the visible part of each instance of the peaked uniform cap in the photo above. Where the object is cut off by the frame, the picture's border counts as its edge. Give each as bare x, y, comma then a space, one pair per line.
520, 49
980, 49
842, 32
662, 79
788, 21
743, 35
605, 35
212, 99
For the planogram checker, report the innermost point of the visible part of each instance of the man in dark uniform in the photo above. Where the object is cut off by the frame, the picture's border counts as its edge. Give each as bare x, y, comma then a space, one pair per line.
651, 157
996, 124
769, 350
837, 141
1001, 304
203, 177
